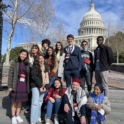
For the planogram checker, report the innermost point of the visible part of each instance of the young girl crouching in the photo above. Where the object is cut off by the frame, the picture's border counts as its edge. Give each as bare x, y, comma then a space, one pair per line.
99, 105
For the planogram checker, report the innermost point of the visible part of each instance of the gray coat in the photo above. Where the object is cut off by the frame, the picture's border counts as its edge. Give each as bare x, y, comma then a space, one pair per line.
106, 106
13, 77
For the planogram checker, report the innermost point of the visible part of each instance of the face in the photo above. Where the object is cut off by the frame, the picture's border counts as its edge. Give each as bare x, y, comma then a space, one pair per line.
97, 91
58, 45
57, 84
50, 51
23, 55
70, 40
75, 86
41, 59
45, 45
84, 45
100, 41
34, 50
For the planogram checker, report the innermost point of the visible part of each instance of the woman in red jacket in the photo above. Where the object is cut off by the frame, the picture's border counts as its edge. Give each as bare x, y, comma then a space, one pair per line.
54, 98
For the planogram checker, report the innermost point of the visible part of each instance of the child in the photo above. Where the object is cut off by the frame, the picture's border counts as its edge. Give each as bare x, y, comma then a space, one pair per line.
18, 84
54, 97
99, 105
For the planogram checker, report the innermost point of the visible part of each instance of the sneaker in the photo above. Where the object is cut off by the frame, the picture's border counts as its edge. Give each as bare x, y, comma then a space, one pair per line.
48, 121
56, 120
19, 119
40, 120
14, 121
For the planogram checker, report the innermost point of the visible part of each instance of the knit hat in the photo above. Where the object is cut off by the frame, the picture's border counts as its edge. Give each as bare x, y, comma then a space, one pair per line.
76, 80
100, 87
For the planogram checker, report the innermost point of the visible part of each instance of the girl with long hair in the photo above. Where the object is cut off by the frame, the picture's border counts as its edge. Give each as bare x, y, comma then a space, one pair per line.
18, 84
60, 56
54, 98
52, 62
39, 85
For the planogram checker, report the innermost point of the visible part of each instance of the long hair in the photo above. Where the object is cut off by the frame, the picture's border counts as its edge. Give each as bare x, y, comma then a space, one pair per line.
37, 47
52, 57
61, 50
37, 65
26, 59
60, 88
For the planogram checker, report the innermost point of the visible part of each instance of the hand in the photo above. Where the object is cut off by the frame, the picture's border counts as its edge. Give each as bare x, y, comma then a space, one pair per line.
83, 120
44, 89
99, 107
94, 107
57, 96
66, 108
51, 99
10, 89
41, 89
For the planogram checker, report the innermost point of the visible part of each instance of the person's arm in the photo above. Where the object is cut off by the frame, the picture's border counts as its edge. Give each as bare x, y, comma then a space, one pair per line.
106, 106
11, 75
55, 69
91, 59
79, 59
90, 103
35, 77
110, 55
65, 99
48, 95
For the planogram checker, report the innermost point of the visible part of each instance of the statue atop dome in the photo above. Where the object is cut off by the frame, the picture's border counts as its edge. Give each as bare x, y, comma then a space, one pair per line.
92, 1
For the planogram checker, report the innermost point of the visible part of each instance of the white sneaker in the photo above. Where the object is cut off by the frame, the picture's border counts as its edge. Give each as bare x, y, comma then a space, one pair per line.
14, 121
40, 120
19, 119
56, 120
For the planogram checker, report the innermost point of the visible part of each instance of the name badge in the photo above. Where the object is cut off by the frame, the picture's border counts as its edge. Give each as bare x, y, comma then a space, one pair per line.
22, 79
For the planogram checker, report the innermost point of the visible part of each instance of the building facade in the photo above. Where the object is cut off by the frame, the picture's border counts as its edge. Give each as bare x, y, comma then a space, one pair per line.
91, 27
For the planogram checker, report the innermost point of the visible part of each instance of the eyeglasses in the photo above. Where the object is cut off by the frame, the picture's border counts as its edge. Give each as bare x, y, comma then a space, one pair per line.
84, 44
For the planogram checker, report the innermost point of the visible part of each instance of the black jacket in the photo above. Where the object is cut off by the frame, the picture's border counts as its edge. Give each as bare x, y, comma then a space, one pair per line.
36, 78
106, 57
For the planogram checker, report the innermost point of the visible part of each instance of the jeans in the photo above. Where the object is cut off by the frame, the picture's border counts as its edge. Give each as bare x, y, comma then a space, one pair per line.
36, 103
50, 105
52, 80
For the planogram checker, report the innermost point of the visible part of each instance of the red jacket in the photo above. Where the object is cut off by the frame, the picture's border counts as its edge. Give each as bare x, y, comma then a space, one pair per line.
52, 94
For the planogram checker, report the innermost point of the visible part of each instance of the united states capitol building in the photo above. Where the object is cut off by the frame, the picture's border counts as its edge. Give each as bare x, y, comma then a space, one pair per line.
91, 27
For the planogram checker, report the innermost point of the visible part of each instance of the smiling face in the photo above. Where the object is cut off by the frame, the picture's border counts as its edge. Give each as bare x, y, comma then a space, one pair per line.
84, 45
23, 55
45, 45
57, 84
97, 91
58, 46
70, 40
100, 41
41, 59
34, 50
75, 86
50, 51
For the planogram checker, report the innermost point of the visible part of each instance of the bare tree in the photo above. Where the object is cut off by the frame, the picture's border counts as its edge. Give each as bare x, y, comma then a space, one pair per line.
16, 14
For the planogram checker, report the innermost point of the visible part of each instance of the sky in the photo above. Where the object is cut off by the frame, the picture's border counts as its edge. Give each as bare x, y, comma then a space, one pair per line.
71, 12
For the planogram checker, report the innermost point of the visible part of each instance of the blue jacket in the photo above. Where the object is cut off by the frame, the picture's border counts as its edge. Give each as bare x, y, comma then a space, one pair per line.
74, 62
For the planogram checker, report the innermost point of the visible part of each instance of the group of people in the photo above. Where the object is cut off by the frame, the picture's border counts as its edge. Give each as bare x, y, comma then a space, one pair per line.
56, 77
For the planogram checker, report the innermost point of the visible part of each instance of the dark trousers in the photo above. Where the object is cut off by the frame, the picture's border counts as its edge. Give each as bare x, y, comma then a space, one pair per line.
76, 120
69, 74
86, 77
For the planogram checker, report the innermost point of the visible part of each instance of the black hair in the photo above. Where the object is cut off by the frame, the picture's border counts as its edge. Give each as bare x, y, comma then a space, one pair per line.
26, 59
52, 57
47, 41
100, 37
70, 36
60, 88
61, 51
84, 41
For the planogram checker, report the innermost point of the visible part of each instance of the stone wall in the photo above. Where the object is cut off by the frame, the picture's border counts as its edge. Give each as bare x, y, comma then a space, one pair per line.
118, 67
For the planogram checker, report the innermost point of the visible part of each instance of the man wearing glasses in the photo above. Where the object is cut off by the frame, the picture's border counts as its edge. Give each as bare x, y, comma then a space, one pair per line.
103, 58
87, 68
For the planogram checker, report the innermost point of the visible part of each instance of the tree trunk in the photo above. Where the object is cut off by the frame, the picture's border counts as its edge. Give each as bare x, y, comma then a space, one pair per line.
14, 21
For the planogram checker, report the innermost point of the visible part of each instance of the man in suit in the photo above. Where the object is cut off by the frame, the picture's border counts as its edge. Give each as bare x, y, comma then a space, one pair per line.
72, 62
103, 58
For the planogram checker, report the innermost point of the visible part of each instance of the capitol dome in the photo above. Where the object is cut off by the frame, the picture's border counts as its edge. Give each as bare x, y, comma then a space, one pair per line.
92, 23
